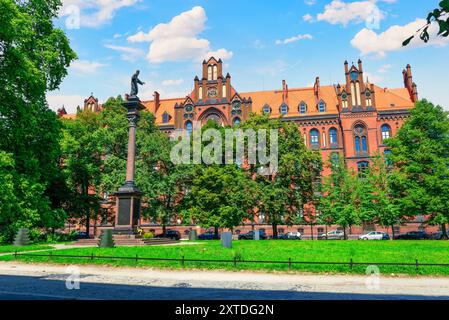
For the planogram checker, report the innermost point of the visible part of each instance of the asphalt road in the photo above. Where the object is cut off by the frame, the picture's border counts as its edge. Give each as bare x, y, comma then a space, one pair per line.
46, 282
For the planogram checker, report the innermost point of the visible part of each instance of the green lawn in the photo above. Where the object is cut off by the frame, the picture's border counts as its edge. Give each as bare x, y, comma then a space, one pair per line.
11, 248
318, 251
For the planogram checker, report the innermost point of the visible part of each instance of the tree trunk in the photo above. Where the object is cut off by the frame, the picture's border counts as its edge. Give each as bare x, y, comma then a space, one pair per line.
443, 232
275, 230
344, 233
164, 229
325, 226
392, 232
216, 232
311, 231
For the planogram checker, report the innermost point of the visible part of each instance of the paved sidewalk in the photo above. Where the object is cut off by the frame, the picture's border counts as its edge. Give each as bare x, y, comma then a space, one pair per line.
27, 281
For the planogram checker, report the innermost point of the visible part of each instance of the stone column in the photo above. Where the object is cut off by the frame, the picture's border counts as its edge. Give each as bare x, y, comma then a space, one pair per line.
128, 196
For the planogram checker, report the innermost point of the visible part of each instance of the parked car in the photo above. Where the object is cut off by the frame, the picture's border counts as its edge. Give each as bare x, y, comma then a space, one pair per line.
374, 235
250, 235
437, 235
170, 234
333, 235
413, 235
292, 236
81, 235
209, 235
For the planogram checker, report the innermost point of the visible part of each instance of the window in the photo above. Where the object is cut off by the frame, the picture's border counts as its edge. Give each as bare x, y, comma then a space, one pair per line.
386, 132
368, 97
266, 109
354, 75
200, 93
320, 230
236, 121
321, 106
302, 108
224, 91
215, 76
360, 139
284, 109
335, 158
388, 161
165, 117
209, 73
314, 138
362, 167
333, 136
189, 127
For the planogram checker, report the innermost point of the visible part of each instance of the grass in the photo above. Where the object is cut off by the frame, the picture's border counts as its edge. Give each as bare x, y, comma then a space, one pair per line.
318, 251
11, 248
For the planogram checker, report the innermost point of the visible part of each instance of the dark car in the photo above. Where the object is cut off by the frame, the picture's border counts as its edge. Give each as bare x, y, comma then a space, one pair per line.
413, 235
438, 235
81, 235
209, 235
170, 234
250, 235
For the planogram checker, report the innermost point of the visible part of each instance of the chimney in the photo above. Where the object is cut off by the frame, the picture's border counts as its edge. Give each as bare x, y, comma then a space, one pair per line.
157, 101
284, 91
316, 87
409, 84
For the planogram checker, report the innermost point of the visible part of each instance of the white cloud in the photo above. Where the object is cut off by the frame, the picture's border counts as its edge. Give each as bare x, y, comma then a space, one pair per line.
374, 78
127, 53
310, 2
340, 12
70, 102
93, 13
384, 68
307, 17
179, 39
85, 67
171, 82
369, 42
295, 38
219, 54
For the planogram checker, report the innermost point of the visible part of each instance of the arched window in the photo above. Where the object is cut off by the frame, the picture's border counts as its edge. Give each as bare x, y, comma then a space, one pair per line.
189, 127
387, 154
335, 158
200, 93
165, 117
302, 108
209, 73
266, 109
215, 76
236, 121
322, 106
360, 139
362, 166
284, 109
386, 132
333, 136
314, 138
224, 91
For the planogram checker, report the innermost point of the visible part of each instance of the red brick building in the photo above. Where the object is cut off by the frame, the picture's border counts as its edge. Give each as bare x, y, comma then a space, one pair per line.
352, 118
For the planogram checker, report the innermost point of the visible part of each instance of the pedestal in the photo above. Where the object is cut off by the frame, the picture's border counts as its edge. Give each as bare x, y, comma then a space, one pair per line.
128, 196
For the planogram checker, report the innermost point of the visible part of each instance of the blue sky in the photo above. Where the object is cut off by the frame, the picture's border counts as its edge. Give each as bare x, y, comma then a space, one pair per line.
261, 43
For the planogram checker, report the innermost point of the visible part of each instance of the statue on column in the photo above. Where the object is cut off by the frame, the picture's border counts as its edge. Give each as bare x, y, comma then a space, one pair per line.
135, 81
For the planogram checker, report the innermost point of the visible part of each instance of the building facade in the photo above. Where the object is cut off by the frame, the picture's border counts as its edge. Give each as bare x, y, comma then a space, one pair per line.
352, 119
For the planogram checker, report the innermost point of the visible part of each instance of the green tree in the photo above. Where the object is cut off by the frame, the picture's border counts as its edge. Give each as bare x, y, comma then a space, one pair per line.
420, 153
439, 16
34, 57
341, 203
82, 163
220, 197
284, 193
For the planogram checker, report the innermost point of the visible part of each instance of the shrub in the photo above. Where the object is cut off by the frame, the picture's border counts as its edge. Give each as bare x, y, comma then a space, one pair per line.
148, 235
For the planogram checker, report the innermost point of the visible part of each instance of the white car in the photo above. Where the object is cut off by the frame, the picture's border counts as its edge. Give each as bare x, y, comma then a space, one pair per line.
375, 235
333, 235
292, 236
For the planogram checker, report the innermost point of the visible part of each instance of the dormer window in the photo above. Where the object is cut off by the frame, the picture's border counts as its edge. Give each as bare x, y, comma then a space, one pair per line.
165, 117
368, 98
266, 109
284, 109
322, 106
302, 108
